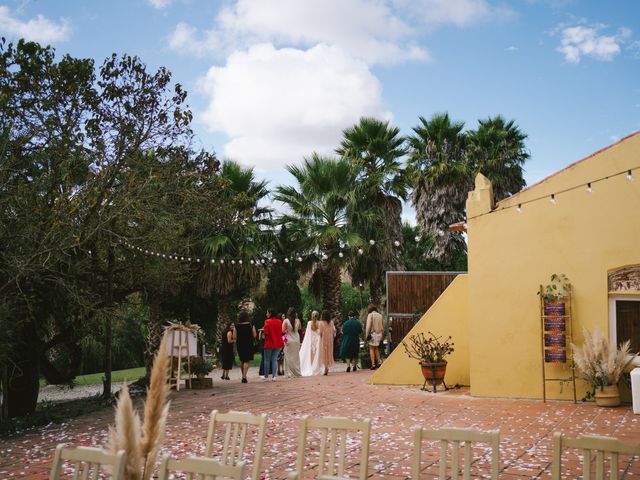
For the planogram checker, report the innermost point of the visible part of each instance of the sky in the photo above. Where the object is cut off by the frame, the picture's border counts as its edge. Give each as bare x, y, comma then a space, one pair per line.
271, 81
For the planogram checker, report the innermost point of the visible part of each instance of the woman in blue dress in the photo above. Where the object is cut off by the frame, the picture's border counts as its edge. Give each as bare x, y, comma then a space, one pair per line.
350, 346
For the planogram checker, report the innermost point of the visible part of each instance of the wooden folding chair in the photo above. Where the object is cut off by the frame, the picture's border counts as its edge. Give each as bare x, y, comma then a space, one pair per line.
201, 468
455, 436
235, 437
333, 436
588, 443
87, 462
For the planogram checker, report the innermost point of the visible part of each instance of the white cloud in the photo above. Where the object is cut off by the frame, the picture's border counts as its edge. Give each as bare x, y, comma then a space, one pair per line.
586, 41
159, 4
279, 105
39, 29
512, 48
366, 29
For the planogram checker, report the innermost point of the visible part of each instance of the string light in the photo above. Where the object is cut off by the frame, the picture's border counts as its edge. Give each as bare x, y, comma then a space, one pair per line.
372, 242
553, 199
340, 254
589, 189
519, 209
222, 261
417, 238
299, 259
396, 243
360, 251
629, 175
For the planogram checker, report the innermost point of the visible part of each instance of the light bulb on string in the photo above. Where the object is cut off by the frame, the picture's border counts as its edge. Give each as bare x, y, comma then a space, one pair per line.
417, 238
340, 254
396, 243
589, 189
629, 175
553, 199
360, 251
519, 209
240, 261
198, 260
233, 262
299, 259
275, 260
286, 260
372, 242
213, 261
222, 261
251, 261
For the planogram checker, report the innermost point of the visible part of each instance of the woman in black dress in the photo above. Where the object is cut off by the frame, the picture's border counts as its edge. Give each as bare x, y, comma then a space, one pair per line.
226, 350
245, 336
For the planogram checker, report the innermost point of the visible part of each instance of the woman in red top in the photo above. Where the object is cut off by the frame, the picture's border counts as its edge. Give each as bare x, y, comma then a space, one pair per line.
272, 343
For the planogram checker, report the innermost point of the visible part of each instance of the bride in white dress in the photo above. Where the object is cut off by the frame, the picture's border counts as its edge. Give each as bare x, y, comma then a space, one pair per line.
309, 352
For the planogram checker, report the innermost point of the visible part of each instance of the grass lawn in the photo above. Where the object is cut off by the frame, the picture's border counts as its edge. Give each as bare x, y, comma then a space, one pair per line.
129, 374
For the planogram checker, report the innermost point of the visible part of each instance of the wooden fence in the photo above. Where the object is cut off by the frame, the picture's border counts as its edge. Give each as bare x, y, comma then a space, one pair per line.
410, 294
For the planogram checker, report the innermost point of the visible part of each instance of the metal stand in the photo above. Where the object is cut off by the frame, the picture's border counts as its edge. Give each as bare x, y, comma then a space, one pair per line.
568, 316
435, 387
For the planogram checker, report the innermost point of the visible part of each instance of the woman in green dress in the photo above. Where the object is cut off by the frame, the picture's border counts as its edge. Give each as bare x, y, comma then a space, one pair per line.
350, 346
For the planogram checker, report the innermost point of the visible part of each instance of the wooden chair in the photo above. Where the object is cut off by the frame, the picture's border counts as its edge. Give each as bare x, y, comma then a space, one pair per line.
333, 436
587, 443
201, 468
235, 436
87, 462
456, 436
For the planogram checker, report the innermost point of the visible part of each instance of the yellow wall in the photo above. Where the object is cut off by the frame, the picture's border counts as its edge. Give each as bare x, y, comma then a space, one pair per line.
449, 315
583, 236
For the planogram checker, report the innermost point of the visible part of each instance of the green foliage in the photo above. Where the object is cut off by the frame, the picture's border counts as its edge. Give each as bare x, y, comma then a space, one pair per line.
416, 256
557, 290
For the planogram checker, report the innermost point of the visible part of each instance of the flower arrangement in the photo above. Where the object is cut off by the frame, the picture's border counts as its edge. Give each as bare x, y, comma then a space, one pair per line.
428, 348
600, 362
200, 367
557, 289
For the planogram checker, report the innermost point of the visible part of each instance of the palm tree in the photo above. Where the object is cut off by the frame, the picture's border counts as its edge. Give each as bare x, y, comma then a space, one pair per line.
440, 176
375, 149
496, 148
320, 218
241, 241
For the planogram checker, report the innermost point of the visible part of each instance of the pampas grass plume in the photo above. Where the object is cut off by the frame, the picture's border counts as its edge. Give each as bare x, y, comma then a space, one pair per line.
126, 435
156, 409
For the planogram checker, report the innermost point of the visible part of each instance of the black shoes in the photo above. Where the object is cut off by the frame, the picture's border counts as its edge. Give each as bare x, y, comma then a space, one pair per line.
354, 368
244, 380
348, 368
225, 378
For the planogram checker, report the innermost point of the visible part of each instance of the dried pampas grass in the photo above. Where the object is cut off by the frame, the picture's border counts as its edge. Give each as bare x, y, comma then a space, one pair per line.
126, 435
142, 444
156, 410
599, 360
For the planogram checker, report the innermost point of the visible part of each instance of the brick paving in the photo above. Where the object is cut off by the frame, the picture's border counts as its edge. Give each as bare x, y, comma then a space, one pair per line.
526, 426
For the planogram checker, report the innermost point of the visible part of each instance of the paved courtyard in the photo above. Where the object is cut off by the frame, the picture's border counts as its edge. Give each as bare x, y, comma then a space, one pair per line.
526, 426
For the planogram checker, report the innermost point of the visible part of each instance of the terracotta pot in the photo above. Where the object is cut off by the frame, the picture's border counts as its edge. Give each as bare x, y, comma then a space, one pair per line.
434, 372
608, 396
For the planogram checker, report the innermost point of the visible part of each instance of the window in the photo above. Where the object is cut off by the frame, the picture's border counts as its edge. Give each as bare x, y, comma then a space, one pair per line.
624, 316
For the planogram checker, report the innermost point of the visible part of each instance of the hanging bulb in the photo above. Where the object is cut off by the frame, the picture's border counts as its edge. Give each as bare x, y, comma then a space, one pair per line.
372, 242
213, 261
589, 189
286, 260
222, 261
164, 256
233, 262
240, 261
341, 254
629, 175
324, 256
275, 260
300, 259
553, 199
396, 243
417, 238
251, 261
198, 260
263, 261
360, 251
519, 209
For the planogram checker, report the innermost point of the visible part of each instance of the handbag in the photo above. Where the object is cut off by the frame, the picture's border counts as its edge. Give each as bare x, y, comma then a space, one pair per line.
369, 338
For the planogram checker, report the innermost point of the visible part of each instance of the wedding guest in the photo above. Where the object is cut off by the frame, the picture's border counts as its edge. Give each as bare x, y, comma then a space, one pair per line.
310, 350
373, 333
226, 350
273, 344
245, 338
291, 328
350, 346
327, 331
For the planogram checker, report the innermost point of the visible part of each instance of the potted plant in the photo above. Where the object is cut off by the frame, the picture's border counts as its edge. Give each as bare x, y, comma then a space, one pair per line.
602, 365
200, 367
553, 296
430, 351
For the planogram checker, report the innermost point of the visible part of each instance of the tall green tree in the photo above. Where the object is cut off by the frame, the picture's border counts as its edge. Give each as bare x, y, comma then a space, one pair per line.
232, 275
440, 175
321, 210
375, 149
444, 161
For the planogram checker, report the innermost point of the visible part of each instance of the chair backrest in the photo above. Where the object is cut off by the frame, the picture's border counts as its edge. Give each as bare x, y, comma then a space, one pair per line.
235, 437
588, 443
333, 445
200, 468
456, 436
87, 462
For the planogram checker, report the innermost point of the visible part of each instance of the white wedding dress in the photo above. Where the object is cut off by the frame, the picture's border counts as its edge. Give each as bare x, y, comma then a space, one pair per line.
310, 354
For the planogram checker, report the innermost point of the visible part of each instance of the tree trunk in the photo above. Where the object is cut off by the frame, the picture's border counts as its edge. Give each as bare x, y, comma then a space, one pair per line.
155, 330
375, 292
24, 377
331, 300
221, 322
106, 386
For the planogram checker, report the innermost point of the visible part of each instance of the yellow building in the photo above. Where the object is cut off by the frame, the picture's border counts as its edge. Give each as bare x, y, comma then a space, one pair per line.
583, 221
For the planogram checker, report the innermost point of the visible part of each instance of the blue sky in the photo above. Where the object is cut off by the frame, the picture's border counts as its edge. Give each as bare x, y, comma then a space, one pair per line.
270, 81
